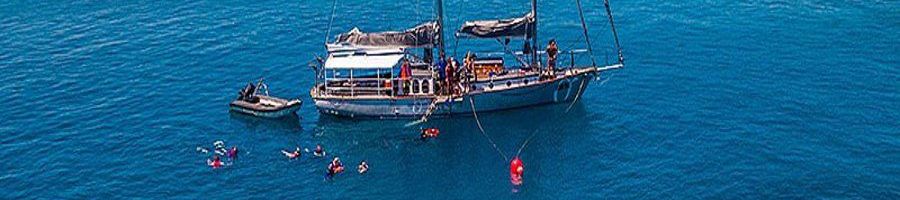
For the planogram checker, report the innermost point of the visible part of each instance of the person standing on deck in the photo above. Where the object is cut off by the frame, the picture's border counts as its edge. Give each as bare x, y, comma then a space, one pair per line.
405, 73
450, 73
442, 74
552, 52
470, 66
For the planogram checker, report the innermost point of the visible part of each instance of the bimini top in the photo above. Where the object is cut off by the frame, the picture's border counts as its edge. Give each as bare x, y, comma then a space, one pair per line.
421, 36
364, 59
494, 28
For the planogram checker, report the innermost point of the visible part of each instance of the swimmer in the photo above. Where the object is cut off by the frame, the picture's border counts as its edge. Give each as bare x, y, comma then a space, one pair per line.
429, 133
202, 150
219, 146
335, 167
215, 162
292, 155
233, 152
319, 152
363, 167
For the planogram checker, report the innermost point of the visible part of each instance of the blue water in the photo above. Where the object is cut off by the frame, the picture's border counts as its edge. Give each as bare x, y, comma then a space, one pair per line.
719, 99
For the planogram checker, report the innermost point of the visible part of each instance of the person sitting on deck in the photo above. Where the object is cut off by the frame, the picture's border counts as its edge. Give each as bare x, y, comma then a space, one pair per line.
552, 53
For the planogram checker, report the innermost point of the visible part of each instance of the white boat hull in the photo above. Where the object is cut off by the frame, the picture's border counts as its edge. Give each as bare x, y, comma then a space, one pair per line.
491, 96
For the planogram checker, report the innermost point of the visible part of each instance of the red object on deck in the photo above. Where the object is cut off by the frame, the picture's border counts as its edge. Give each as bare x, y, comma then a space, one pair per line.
516, 170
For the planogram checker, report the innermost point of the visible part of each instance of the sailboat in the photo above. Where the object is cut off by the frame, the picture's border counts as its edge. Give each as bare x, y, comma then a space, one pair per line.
395, 74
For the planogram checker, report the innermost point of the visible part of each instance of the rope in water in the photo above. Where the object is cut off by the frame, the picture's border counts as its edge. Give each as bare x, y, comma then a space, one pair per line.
534, 133
472, 103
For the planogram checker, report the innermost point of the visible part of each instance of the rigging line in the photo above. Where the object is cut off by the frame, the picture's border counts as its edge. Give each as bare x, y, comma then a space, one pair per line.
472, 103
587, 38
331, 21
615, 35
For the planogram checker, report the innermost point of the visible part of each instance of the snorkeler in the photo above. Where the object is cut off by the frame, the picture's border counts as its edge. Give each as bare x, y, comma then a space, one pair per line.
292, 155
233, 152
429, 133
319, 152
335, 167
219, 146
363, 167
215, 162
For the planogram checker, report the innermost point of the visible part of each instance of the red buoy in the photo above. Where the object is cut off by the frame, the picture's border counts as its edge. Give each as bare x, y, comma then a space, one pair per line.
516, 170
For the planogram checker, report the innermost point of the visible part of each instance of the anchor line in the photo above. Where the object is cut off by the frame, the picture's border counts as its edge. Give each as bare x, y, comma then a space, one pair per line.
478, 122
534, 133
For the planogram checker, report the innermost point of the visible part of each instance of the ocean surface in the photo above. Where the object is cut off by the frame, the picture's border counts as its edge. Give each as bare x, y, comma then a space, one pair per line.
767, 99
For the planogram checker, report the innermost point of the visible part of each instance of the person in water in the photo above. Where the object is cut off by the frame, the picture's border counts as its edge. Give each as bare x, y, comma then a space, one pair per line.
335, 167
363, 167
219, 147
233, 152
215, 162
429, 133
291, 155
319, 152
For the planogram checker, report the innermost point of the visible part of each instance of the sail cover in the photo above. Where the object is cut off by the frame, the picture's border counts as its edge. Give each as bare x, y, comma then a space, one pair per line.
421, 36
515, 27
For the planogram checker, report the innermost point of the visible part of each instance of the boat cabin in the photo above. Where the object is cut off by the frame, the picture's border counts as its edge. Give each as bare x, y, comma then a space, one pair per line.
376, 72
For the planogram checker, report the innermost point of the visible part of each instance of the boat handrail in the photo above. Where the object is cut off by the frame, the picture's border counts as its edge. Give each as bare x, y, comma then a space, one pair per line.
336, 88
357, 79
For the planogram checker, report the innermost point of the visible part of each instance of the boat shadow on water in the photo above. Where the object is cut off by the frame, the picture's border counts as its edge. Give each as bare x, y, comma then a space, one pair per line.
290, 122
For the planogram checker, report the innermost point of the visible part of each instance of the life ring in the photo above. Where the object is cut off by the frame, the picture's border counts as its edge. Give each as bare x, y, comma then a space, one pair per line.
566, 85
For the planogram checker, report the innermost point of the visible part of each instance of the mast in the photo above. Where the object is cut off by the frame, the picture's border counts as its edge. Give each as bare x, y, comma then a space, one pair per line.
440, 23
534, 40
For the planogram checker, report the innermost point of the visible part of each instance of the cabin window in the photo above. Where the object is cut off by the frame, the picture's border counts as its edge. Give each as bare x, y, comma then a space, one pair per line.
426, 87
415, 86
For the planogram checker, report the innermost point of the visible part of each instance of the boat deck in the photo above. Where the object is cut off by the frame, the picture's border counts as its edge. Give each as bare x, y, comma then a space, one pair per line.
510, 79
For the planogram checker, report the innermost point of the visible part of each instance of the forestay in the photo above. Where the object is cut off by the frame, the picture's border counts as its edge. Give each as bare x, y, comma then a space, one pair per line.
421, 36
514, 27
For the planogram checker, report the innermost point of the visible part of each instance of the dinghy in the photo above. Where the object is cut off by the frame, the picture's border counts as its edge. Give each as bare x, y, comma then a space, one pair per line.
262, 105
